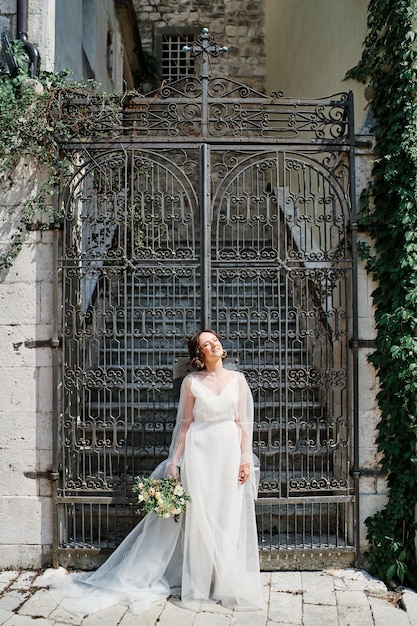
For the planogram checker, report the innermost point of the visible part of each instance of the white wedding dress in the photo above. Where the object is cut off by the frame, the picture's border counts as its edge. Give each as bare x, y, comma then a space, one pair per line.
211, 555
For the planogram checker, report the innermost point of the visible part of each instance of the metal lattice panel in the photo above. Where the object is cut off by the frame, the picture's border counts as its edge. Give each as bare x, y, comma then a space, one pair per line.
251, 239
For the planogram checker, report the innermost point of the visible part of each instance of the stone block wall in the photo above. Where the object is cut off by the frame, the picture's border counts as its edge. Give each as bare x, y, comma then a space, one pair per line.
26, 398
373, 490
237, 24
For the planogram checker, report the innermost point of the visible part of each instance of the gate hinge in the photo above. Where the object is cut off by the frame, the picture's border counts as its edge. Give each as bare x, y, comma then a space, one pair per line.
365, 471
362, 343
42, 343
37, 475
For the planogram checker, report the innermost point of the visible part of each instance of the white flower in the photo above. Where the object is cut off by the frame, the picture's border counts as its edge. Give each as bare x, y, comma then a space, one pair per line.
178, 491
165, 496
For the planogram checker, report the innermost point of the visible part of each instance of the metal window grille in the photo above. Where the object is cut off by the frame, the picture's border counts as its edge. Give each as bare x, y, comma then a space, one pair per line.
176, 63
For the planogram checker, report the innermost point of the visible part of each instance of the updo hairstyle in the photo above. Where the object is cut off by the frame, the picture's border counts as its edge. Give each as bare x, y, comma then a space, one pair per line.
196, 357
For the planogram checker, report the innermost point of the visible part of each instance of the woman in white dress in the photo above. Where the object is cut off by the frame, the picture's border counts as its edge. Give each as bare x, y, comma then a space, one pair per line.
212, 554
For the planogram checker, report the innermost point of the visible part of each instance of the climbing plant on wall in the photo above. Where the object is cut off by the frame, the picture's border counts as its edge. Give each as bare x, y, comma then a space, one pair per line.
389, 216
34, 119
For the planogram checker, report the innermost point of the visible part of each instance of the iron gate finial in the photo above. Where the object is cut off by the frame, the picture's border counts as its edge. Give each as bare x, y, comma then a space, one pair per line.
204, 46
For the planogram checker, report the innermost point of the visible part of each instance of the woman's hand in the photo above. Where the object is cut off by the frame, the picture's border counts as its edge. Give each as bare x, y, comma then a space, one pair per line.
244, 471
171, 471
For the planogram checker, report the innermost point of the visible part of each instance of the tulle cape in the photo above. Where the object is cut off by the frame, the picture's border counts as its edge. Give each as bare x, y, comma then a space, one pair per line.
211, 554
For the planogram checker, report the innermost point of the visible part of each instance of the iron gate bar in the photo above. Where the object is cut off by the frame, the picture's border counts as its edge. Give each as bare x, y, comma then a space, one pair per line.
205, 247
55, 395
314, 499
355, 341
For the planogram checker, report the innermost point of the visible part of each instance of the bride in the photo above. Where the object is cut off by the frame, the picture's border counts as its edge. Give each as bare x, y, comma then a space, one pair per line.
211, 555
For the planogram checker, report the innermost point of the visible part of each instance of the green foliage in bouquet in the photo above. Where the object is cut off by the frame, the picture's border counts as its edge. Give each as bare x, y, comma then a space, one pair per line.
165, 496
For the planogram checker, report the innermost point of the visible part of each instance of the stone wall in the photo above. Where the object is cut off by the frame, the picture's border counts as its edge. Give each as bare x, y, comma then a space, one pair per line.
373, 488
237, 24
26, 375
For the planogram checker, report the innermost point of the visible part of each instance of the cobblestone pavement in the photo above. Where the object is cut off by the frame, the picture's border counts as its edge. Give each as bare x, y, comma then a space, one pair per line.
337, 597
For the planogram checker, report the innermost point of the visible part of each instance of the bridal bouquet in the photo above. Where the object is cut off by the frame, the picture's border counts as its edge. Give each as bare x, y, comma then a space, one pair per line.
165, 496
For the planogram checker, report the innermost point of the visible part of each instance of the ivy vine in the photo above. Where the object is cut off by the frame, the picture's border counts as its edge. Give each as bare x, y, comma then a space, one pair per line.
389, 215
34, 122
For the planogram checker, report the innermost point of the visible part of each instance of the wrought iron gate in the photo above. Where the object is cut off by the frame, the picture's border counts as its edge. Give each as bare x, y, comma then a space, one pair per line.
208, 205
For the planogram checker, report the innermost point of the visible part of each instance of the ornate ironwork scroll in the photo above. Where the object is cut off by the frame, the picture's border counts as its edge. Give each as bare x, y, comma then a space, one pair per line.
208, 201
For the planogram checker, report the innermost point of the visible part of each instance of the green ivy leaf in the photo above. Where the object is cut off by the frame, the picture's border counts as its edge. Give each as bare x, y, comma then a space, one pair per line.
389, 62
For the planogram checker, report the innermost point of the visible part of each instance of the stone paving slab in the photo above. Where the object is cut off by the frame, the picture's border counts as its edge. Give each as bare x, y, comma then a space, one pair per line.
149, 618
6, 579
409, 600
287, 581
40, 603
12, 600
318, 588
24, 620
384, 612
345, 597
354, 598
357, 579
113, 615
320, 615
5, 615
355, 616
286, 608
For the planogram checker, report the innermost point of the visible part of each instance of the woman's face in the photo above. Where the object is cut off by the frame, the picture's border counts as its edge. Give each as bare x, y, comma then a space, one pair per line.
210, 346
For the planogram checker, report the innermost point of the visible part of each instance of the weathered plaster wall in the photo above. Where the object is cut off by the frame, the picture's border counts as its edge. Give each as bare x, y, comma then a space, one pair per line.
82, 31
60, 30
41, 26
312, 44
7, 12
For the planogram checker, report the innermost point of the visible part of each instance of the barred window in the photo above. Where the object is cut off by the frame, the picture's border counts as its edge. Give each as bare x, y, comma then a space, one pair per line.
175, 63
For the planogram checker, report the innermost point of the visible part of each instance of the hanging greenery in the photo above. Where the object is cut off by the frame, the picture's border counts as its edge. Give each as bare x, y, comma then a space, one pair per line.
389, 216
35, 120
